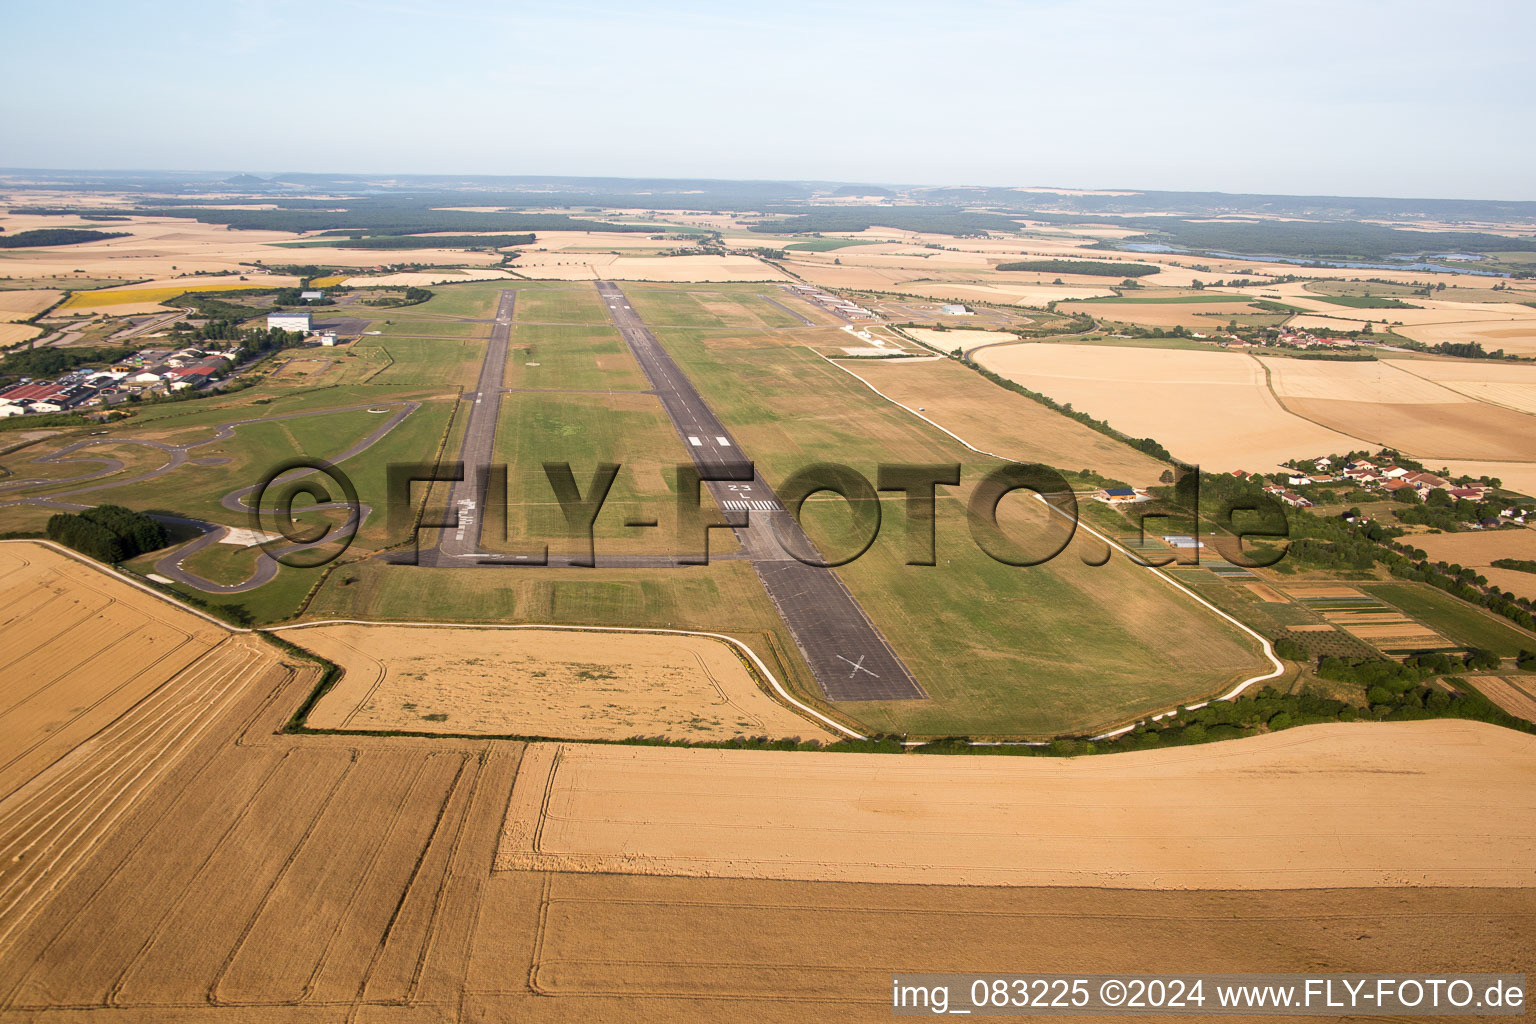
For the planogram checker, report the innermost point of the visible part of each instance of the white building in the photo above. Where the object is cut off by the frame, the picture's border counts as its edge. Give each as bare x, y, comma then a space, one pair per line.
12, 409
307, 296
288, 322
954, 310
328, 339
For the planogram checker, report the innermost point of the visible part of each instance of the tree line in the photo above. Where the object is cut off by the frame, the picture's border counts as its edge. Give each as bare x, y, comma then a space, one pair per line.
55, 236
1095, 268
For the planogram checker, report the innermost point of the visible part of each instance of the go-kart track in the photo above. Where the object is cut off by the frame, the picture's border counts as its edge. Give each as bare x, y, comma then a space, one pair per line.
236, 501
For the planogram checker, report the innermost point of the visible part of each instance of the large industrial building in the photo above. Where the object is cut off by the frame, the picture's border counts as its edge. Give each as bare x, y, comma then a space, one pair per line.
288, 321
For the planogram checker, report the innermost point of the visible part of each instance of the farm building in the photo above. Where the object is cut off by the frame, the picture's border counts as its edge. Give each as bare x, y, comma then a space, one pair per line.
954, 310
288, 322
308, 296
1120, 495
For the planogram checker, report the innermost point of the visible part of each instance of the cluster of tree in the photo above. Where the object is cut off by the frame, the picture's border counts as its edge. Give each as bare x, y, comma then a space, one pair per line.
431, 241
410, 297
1440, 511
937, 220
1094, 268
1300, 239
1405, 699
1145, 445
1368, 302
216, 305
55, 236
390, 220
1459, 349
295, 297
109, 533
1517, 564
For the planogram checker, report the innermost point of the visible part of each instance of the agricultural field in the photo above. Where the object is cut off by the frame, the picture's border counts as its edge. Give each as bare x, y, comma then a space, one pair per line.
1466, 625
1270, 409
1262, 814
993, 419
1147, 392
107, 686
593, 684
20, 304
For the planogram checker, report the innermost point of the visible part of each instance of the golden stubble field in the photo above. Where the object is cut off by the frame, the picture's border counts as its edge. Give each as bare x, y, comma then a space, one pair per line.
1228, 410
105, 687
1264, 813
263, 875
993, 419
588, 684
1210, 408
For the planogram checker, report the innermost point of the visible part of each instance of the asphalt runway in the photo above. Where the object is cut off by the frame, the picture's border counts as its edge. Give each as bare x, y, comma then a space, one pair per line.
845, 651
459, 544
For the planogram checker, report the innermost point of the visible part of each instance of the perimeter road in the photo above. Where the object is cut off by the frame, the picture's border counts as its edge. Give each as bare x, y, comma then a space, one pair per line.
845, 651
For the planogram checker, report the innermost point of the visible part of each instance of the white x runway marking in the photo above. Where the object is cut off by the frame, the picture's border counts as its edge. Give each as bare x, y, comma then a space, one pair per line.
858, 666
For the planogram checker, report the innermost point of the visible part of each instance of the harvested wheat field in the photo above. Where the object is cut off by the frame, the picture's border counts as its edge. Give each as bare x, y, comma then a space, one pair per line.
1312, 807
1451, 430
634, 948
21, 304
568, 266
1149, 392
1512, 385
1195, 314
15, 334
1478, 547
105, 686
996, 420
423, 278
588, 684
1515, 694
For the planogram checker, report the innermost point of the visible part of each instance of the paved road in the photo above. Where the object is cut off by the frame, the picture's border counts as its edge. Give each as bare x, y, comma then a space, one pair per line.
845, 651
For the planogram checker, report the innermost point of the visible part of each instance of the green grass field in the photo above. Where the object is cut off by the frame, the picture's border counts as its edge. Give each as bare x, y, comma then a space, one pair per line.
719, 306
575, 356
830, 244
425, 362
223, 563
575, 304
585, 430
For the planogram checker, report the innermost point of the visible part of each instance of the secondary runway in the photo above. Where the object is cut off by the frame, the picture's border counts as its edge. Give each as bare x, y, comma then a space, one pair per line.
460, 544
844, 649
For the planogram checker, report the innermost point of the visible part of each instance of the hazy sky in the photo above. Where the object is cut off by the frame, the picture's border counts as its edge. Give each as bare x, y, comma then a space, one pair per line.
1397, 98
